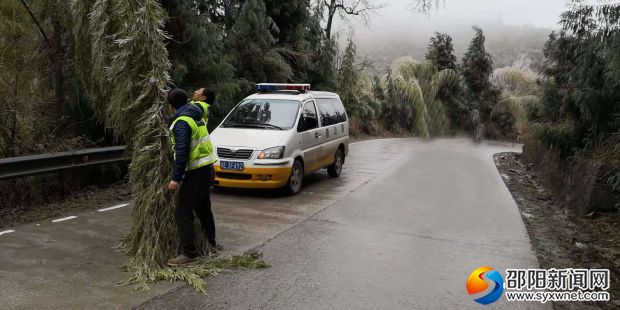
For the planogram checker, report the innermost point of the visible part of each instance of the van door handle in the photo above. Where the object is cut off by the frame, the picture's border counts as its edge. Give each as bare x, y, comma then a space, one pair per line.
317, 135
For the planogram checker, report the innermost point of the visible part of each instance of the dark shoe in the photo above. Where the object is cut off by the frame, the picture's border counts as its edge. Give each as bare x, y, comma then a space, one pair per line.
182, 260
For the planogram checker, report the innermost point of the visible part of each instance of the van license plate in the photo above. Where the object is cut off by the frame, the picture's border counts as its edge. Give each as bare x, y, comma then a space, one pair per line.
231, 165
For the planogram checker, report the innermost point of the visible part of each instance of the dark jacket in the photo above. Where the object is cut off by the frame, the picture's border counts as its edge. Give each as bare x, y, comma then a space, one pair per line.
183, 138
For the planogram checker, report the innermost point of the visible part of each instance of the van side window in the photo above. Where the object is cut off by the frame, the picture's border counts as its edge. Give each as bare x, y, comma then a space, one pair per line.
340, 111
328, 112
308, 120
332, 112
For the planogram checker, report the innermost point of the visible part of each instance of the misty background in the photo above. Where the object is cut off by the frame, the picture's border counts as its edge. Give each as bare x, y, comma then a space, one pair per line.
516, 30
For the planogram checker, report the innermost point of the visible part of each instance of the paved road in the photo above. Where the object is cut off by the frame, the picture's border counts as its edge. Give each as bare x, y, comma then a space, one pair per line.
402, 228
406, 239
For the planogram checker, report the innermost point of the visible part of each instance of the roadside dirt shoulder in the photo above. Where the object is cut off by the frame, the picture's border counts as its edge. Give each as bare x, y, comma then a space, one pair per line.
560, 239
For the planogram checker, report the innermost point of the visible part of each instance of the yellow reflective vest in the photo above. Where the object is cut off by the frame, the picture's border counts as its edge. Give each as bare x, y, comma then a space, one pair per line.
201, 150
205, 110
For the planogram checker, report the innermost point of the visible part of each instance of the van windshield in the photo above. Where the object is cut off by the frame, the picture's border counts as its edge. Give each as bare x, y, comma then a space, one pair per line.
264, 113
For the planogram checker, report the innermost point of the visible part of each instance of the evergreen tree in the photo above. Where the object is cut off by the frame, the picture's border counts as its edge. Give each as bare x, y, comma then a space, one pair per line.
477, 71
293, 19
352, 92
251, 46
441, 52
321, 69
348, 80
477, 65
580, 110
290, 17
195, 45
441, 55
324, 74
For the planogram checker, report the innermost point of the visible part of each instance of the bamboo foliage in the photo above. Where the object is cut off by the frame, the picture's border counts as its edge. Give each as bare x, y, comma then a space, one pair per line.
121, 59
419, 85
518, 107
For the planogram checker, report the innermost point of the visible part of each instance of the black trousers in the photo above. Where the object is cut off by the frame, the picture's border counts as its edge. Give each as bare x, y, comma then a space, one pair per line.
194, 197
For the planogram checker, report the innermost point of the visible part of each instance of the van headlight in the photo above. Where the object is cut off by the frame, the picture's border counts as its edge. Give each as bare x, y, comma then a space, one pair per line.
272, 153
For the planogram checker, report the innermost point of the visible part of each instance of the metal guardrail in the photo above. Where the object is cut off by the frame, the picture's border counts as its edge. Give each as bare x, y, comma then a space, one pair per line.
16, 167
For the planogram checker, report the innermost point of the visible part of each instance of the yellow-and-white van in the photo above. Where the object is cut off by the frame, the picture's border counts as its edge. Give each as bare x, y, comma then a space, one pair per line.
272, 139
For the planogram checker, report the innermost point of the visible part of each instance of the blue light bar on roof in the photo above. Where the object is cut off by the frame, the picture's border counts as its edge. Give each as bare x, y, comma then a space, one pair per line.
275, 86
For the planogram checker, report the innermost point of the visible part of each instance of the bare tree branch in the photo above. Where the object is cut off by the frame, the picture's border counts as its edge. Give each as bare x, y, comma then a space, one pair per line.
36, 22
360, 8
425, 6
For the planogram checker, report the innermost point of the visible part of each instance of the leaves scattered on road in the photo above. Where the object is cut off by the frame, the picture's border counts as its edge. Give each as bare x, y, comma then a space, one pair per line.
207, 266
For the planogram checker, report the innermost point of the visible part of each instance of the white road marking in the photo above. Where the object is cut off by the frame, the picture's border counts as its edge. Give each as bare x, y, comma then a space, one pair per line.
112, 208
6, 232
64, 219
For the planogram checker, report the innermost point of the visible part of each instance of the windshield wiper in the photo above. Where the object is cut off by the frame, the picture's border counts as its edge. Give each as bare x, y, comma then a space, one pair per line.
262, 124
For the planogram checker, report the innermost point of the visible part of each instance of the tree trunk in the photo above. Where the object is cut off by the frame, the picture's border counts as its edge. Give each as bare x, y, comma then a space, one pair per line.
330, 18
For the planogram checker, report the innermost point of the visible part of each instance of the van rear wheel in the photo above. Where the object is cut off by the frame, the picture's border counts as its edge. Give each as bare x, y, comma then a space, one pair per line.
295, 181
335, 169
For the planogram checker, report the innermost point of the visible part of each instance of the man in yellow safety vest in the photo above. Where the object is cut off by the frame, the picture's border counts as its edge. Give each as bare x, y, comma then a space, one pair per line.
192, 174
200, 98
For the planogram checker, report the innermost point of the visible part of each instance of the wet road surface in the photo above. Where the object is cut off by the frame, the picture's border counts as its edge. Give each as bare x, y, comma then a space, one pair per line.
411, 220
71, 262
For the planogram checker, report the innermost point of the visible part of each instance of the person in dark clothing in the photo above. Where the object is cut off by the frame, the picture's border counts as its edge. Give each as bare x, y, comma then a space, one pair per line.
192, 175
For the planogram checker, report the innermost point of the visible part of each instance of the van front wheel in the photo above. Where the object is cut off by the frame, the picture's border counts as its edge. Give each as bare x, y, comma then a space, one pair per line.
293, 186
335, 169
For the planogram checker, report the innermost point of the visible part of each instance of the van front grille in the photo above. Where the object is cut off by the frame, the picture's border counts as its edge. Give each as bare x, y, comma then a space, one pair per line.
223, 152
234, 176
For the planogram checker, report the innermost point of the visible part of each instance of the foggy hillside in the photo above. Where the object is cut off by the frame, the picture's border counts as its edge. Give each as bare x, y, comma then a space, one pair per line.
515, 31
519, 46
